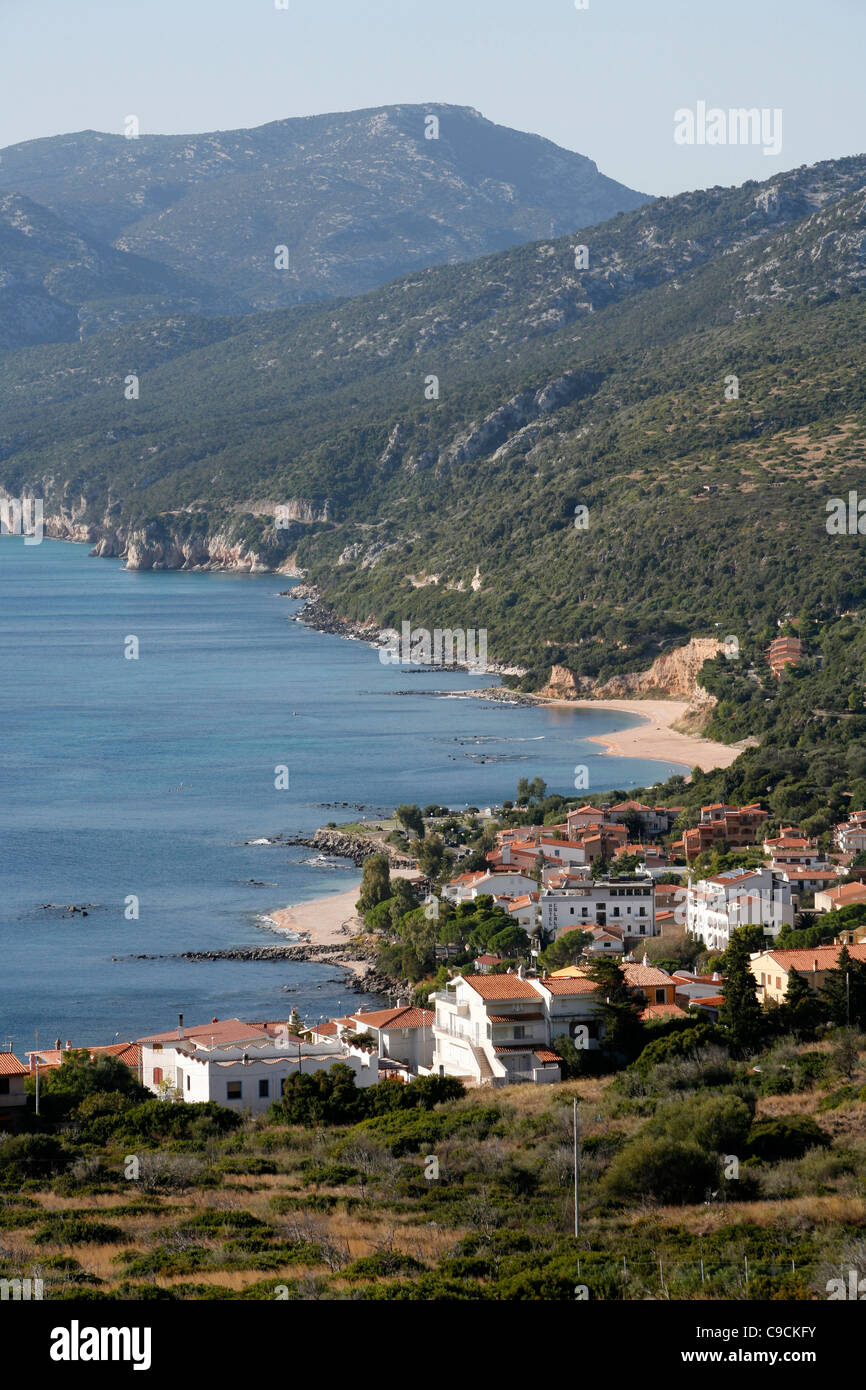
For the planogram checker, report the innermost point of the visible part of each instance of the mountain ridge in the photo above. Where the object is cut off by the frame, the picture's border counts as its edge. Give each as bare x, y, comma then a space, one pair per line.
356, 198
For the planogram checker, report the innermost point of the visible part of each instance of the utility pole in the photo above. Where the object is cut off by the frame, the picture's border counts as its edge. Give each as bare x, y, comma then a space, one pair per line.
576, 1186
37, 1083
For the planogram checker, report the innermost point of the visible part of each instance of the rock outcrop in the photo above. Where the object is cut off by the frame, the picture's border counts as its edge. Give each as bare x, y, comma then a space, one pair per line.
673, 674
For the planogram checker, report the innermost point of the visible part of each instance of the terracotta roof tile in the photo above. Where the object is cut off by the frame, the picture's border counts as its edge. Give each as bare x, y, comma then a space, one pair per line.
501, 987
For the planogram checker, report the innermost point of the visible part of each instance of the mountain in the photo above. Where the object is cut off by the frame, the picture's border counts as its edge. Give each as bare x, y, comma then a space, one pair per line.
698, 389
358, 198
57, 285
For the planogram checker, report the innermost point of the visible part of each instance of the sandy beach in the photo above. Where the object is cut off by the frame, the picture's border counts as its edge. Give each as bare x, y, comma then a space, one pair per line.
327, 921
331, 921
656, 739
323, 922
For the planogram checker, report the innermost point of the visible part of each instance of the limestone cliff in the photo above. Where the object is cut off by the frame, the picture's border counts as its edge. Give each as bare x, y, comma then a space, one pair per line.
673, 674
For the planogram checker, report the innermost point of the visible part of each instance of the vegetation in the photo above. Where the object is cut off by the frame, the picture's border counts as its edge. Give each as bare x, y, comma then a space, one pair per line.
689, 1172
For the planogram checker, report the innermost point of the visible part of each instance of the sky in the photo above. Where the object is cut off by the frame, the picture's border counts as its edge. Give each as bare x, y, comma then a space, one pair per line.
605, 81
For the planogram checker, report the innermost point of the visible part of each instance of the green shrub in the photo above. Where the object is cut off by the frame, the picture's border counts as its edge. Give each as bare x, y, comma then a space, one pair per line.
844, 1095
670, 1170
716, 1123
71, 1231
787, 1137
384, 1264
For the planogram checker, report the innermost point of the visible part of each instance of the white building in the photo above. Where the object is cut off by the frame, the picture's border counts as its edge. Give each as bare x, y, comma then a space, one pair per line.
505, 883
498, 1029
245, 1073
401, 1035
492, 1030
850, 836
625, 901
716, 907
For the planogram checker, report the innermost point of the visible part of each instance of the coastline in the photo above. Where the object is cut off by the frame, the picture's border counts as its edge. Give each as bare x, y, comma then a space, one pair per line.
656, 739
324, 925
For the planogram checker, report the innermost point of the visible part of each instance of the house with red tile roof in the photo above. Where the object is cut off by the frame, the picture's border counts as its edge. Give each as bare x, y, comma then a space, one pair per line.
496, 1030
509, 883
402, 1035
842, 895
772, 969
491, 1030
13, 1097
784, 651
735, 826
850, 836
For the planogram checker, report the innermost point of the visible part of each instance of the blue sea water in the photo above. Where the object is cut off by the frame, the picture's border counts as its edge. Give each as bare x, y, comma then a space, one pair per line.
146, 777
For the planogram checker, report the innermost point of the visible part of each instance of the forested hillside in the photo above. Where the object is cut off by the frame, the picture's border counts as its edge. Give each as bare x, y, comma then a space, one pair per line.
698, 389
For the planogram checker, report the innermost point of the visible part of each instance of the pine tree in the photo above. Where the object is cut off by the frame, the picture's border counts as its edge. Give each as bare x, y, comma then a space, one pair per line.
802, 1011
834, 991
619, 1009
740, 1015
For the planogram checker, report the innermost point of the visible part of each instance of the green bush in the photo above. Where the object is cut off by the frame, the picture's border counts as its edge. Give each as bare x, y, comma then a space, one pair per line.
71, 1231
787, 1137
716, 1123
670, 1170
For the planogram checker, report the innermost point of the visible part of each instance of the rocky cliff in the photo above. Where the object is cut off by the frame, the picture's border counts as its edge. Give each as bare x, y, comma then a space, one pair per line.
673, 674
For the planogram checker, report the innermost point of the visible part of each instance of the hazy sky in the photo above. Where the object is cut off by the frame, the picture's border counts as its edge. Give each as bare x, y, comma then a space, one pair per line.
604, 81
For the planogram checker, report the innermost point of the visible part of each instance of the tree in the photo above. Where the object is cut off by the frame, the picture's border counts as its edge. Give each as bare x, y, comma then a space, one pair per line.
375, 882
740, 1015
619, 1010
411, 819
511, 941
65, 1087
431, 855
802, 1012
844, 991
565, 950
403, 900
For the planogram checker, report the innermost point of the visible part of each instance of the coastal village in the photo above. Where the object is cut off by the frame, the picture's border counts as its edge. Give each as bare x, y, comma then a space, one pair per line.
618, 882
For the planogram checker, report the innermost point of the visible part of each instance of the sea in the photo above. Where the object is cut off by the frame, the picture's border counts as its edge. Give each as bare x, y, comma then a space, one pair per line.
157, 728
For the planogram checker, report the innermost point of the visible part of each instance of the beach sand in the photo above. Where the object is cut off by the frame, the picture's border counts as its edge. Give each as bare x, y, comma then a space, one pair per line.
324, 922
656, 739
331, 921
327, 921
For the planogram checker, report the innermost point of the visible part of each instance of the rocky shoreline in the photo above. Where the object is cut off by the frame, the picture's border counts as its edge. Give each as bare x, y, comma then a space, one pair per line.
367, 981
340, 845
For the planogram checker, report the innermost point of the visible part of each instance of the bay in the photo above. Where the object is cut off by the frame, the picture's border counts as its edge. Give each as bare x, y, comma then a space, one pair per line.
145, 778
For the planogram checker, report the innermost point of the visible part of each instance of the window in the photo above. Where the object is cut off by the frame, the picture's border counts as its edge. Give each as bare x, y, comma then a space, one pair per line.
264, 1089
520, 1032
4, 1085
187, 1083
660, 996
233, 1090
157, 1075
